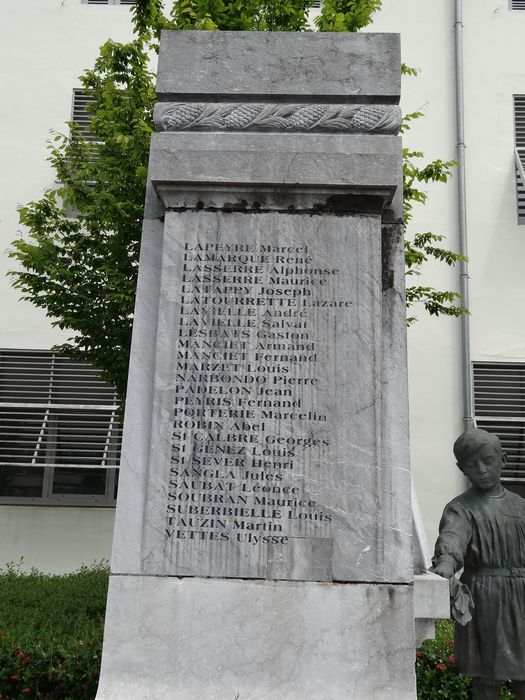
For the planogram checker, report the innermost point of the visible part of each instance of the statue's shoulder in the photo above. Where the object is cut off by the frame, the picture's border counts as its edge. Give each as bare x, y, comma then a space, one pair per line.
513, 496
460, 507
516, 500
464, 501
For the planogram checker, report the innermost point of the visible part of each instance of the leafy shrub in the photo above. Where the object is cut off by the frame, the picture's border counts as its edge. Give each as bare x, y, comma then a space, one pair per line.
51, 630
438, 677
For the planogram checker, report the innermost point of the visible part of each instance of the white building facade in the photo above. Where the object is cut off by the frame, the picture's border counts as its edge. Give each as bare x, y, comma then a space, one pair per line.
60, 519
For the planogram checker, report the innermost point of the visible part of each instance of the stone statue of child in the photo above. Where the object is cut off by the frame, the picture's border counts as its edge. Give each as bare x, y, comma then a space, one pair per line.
483, 532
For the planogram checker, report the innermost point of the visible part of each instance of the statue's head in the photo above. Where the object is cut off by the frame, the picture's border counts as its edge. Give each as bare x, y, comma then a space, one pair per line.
480, 457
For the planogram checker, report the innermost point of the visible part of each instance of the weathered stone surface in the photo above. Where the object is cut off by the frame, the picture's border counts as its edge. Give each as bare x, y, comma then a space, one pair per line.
194, 639
129, 515
277, 117
261, 65
263, 167
268, 620
431, 601
431, 596
289, 445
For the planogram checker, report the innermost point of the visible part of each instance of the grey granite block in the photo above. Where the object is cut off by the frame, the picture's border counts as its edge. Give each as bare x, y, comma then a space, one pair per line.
431, 596
137, 419
431, 602
263, 535
266, 456
277, 117
396, 506
195, 639
292, 66
333, 163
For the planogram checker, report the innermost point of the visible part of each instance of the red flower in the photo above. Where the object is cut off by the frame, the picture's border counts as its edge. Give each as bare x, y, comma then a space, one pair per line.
15, 677
23, 658
26, 691
452, 659
441, 667
419, 655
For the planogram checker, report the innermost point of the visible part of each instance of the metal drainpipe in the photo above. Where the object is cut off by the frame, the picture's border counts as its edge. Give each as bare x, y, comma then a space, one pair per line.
468, 418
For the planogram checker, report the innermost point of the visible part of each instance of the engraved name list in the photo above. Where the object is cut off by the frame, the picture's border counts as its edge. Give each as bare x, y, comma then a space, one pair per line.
247, 429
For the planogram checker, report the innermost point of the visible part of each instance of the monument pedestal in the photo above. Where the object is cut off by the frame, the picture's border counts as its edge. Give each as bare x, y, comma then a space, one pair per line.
189, 639
263, 538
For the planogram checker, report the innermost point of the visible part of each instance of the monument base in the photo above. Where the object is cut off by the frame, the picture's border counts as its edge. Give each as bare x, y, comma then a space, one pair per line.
209, 639
431, 601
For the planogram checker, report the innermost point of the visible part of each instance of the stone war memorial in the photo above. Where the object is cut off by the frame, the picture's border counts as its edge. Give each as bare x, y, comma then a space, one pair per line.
263, 537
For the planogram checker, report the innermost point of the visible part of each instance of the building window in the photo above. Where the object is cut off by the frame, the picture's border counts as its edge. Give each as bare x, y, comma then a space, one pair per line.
81, 117
107, 2
499, 401
80, 114
517, 4
519, 152
60, 434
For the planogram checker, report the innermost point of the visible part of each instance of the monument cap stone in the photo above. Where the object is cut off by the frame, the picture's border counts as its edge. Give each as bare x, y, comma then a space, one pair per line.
284, 66
247, 116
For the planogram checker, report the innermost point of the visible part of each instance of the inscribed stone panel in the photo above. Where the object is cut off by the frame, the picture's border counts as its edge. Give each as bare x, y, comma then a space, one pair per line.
265, 433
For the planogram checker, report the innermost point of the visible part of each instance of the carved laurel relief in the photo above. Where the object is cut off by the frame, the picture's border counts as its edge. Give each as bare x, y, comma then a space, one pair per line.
187, 116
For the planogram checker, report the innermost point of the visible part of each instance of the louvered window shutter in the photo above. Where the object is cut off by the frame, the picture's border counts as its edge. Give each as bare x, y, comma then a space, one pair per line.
499, 401
60, 435
517, 4
108, 2
519, 154
80, 114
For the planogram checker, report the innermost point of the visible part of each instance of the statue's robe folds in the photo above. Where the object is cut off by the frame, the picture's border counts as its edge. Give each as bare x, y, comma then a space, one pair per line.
486, 536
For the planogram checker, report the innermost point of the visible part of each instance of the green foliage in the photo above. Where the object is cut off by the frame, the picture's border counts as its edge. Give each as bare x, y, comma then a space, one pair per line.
231, 15
408, 70
438, 677
79, 257
346, 15
82, 269
241, 15
421, 247
51, 630
148, 18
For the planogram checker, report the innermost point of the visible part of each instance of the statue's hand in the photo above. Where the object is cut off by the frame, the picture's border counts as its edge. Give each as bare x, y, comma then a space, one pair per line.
443, 568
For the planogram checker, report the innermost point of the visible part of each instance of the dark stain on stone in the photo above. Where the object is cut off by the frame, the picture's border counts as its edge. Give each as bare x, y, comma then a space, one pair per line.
359, 203
390, 234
